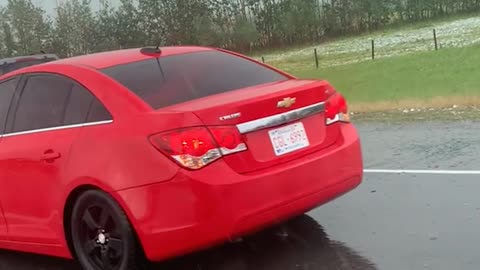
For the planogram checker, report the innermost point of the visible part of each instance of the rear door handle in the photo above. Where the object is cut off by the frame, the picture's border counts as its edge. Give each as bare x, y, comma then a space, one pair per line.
50, 156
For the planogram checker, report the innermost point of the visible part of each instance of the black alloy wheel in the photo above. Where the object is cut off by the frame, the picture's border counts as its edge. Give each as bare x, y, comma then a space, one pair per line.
102, 236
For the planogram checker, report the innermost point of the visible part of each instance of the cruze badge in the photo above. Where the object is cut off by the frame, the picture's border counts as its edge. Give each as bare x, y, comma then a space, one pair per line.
231, 116
286, 102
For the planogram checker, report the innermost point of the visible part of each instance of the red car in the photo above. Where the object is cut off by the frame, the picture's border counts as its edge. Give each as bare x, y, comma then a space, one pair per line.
156, 152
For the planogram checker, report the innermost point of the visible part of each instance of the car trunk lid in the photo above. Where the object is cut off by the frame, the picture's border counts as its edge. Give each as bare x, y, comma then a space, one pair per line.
278, 121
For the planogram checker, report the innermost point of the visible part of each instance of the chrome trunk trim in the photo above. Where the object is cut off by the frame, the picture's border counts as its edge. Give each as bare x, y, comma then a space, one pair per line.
280, 119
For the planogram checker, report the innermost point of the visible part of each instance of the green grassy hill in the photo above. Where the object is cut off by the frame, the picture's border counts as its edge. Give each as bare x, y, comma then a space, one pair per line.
425, 79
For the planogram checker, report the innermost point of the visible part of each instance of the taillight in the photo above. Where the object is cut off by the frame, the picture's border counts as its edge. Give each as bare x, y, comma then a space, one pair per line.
194, 148
228, 139
336, 109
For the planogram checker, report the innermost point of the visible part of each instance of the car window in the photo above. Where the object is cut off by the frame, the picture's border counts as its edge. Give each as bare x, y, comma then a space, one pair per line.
7, 90
42, 103
78, 105
98, 112
175, 79
51, 101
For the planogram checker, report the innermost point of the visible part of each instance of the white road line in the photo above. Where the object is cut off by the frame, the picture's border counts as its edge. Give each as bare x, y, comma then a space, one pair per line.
421, 172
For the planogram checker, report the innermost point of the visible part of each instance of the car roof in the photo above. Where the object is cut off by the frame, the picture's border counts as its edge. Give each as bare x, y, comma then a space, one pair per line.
35, 56
113, 58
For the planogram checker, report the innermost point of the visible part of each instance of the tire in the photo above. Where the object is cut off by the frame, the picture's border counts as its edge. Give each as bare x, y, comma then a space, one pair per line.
102, 236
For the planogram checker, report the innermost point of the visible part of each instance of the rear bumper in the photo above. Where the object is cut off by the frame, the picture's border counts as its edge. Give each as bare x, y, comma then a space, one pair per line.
199, 209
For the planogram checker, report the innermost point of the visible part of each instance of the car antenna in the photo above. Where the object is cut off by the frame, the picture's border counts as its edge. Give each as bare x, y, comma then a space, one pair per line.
152, 50
159, 42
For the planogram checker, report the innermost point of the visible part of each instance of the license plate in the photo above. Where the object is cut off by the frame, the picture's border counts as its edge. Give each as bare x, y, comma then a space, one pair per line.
288, 139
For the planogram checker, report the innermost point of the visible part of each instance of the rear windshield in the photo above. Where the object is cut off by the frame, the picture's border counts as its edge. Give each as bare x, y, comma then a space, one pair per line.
5, 68
180, 78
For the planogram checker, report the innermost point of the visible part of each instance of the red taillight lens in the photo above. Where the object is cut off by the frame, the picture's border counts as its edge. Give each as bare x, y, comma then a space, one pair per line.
192, 141
228, 139
336, 109
194, 148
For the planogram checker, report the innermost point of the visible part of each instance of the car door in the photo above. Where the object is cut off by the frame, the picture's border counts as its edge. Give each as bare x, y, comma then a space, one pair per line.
48, 116
7, 91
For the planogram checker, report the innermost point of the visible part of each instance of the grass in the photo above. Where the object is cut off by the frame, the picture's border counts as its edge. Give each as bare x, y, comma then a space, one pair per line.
432, 79
451, 33
446, 114
401, 26
408, 78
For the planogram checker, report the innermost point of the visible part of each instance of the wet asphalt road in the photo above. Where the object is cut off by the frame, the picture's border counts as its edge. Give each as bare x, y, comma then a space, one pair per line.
392, 221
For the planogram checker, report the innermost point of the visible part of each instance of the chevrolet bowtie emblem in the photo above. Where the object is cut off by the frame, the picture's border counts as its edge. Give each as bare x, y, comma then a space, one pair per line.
286, 102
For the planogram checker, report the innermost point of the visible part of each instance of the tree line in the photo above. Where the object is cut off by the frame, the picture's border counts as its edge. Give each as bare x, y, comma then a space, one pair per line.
240, 25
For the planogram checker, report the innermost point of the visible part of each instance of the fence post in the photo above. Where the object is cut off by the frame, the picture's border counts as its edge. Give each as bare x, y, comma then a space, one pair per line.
435, 39
263, 59
316, 57
373, 49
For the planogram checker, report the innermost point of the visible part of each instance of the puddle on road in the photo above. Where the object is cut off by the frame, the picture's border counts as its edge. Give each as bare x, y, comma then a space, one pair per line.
300, 244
